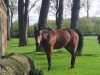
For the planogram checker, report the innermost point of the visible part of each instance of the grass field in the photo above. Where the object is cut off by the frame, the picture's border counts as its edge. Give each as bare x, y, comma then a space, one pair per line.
87, 64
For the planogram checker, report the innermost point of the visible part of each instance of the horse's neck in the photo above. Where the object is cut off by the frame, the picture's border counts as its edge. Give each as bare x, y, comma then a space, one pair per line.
48, 34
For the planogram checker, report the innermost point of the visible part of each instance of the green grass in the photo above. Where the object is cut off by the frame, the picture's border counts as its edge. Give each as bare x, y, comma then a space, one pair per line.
87, 64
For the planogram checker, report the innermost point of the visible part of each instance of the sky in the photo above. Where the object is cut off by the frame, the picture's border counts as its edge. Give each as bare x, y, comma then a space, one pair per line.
94, 12
95, 8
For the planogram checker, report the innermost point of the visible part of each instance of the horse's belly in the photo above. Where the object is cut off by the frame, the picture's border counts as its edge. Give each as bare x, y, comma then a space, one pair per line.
59, 45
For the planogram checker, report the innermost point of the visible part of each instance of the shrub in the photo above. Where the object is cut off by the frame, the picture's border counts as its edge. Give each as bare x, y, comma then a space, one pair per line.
14, 32
66, 23
86, 26
30, 31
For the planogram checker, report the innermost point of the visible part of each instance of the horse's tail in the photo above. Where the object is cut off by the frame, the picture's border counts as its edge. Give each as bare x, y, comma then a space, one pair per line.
80, 43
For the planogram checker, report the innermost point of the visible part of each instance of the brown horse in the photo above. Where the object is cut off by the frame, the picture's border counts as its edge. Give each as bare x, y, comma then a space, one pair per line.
71, 40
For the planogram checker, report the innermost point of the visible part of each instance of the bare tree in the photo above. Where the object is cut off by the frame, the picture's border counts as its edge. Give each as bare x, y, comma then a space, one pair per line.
88, 8
43, 17
13, 10
59, 13
43, 13
53, 7
75, 14
87, 5
55, 3
23, 19
33, 5
8, 19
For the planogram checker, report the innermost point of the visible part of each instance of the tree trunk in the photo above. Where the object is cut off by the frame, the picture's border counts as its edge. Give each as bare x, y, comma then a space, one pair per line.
26, 17
28, 21
43, 17
87, 9
11, 21
59, 13
43, 13
8, 19
22, 26
75, 14
8, 26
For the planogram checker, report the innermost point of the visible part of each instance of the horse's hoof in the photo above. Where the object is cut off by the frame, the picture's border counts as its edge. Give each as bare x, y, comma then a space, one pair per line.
71, 67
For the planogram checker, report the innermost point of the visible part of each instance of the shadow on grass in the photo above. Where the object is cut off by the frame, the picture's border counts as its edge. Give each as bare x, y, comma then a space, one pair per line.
35, 53
90, 55
14, 43
31, 44
41, 53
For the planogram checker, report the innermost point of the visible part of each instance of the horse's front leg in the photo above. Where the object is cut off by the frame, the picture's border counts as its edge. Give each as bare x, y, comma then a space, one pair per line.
49, 61
49, 55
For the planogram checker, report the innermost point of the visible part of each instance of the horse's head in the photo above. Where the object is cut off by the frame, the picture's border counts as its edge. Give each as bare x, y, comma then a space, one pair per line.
38, 36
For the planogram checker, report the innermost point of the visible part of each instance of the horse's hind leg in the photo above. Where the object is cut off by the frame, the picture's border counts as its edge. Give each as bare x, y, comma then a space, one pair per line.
73, 54
72, 60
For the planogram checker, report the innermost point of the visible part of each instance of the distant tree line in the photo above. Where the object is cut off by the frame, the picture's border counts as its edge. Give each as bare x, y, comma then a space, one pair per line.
88, 27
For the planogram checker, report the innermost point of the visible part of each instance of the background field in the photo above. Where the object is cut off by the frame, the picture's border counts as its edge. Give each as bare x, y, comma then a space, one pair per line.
87, 64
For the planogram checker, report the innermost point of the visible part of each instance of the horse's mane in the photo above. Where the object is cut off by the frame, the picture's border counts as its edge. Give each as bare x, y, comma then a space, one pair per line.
46, 30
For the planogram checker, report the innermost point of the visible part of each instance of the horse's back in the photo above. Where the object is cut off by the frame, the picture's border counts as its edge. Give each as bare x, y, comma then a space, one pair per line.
62, 37
66, 36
